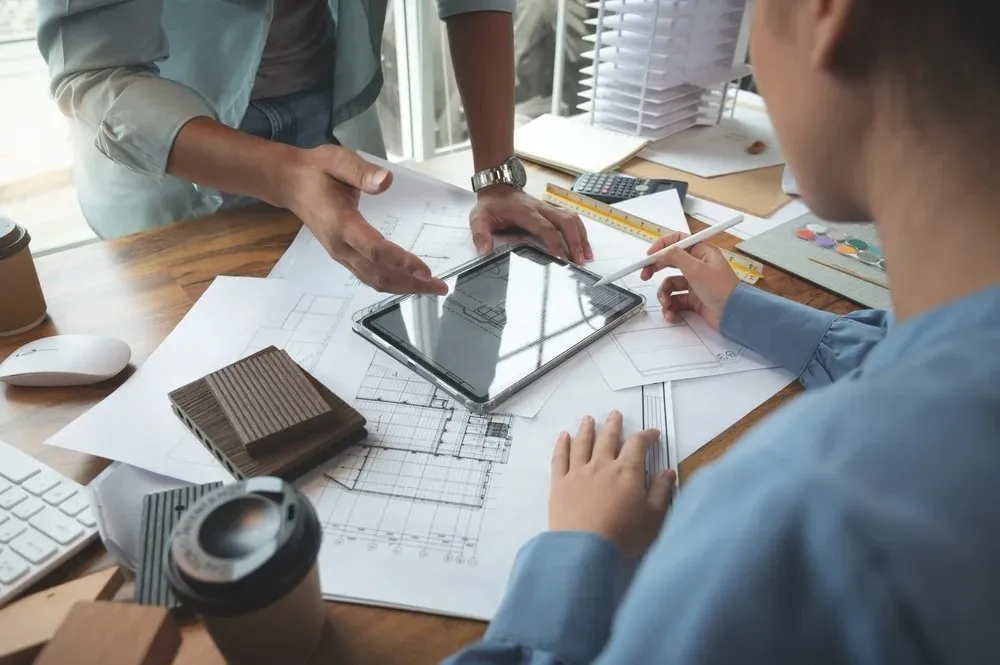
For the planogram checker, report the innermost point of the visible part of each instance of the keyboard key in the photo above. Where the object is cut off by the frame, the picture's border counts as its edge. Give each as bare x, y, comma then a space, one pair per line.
59, 493
27, 508
57, 526
17, 470
12, 497
40, 484
75, 504
34, 547
4, 486
86, 518
10, 530
12, 567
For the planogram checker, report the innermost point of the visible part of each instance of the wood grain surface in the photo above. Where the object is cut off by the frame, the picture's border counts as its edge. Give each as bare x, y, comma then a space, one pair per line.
137, 288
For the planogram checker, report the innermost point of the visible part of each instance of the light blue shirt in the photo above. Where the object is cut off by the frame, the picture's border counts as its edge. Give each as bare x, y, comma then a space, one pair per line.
860, 524
130, 73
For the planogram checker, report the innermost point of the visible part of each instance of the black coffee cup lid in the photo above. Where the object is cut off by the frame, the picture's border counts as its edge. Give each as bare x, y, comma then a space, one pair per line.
242, 547
13, 238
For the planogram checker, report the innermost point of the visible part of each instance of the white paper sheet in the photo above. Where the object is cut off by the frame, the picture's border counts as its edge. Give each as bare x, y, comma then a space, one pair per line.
709, 152
647, 349
705, 408
714, 213
234, 318
430, 510
574, 146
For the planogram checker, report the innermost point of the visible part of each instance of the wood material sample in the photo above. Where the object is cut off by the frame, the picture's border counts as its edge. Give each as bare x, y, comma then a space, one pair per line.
257, 393
28, 624
266, 399
104, 633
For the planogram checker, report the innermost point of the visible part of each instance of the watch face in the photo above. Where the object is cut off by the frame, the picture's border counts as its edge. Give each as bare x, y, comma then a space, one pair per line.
517, 171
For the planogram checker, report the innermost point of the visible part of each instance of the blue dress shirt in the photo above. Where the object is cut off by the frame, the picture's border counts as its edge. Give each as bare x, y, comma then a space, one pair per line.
860, 524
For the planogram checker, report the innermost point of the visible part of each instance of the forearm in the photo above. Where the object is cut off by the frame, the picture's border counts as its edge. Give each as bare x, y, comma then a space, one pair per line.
482, 52
211, 154
818, 347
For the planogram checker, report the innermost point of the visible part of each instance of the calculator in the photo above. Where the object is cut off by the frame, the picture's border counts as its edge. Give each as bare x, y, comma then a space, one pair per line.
611, 188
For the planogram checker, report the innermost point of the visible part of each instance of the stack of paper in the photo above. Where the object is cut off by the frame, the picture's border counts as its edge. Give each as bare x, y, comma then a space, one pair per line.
574, 146
662, 66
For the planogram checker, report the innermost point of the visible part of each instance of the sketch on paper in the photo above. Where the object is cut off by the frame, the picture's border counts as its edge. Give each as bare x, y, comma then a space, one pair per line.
649, 349
423, 479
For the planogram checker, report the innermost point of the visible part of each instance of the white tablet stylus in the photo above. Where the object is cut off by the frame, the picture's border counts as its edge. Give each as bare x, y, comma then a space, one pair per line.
684, 243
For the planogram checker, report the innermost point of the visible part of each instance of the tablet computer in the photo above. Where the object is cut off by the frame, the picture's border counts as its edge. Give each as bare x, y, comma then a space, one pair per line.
509, 317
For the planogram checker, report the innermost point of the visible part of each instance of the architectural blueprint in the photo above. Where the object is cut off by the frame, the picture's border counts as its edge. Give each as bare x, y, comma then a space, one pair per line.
431, 509
422, 478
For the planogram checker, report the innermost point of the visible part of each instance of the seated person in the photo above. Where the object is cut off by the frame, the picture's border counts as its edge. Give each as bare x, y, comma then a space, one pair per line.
180, 108
859, 524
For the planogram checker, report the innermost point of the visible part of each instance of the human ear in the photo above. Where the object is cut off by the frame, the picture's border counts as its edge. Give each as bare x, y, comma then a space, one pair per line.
835, 30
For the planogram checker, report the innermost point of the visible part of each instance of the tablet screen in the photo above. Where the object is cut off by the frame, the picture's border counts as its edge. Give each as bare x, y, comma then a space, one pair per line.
502, 320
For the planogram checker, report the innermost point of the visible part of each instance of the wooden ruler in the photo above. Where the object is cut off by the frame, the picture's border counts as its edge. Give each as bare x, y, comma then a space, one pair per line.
748, 270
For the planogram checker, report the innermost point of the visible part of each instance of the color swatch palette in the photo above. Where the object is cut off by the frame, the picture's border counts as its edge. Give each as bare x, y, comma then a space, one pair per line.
831, 239
844, 258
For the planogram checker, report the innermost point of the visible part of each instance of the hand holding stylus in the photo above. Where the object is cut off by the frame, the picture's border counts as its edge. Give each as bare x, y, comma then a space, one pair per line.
704, 285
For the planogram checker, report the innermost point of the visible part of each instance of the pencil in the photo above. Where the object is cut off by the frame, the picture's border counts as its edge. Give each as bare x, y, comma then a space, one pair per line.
848, 271
683, 243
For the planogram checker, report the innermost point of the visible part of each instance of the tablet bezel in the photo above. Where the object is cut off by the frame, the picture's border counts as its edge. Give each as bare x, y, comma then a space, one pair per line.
416, 363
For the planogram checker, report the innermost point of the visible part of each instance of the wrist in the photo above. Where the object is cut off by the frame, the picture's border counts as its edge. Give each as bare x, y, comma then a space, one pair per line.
283, 166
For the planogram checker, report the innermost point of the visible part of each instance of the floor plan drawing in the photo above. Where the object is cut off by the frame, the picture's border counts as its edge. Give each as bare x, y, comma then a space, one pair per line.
423, 478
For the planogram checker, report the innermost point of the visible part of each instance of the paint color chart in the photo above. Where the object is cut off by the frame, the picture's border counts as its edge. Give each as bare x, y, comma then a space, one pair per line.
845, 259
867, 252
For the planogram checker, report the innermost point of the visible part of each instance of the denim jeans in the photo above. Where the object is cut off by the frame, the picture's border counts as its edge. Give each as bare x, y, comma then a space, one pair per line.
301, 119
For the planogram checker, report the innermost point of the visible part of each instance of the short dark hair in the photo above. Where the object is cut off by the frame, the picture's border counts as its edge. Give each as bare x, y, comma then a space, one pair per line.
948, 50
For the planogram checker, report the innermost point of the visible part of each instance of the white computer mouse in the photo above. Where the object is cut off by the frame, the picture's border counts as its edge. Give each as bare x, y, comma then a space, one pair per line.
66, 360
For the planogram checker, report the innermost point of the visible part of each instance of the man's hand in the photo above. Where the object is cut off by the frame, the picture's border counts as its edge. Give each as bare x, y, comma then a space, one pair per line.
600, 487
502, 208
704, 285
323, 189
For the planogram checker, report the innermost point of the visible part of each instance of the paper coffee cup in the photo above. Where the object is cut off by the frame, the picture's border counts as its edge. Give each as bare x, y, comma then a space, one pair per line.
22, 304
243, 558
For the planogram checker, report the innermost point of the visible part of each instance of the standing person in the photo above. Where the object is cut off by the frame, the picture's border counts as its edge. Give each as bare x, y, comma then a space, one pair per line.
860, 523
179, 108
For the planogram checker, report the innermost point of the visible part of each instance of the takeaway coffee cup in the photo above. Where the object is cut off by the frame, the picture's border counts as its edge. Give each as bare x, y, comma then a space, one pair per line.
243, 558
22, 304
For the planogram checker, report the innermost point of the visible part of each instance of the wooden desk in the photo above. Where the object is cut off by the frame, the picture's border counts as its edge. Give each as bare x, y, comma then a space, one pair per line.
139, 287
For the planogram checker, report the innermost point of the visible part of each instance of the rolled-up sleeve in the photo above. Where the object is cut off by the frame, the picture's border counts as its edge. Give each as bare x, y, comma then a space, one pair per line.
102, 57
449, 8
818, 347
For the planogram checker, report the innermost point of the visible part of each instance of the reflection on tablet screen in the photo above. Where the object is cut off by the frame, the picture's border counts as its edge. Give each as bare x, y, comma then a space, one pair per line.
502, 321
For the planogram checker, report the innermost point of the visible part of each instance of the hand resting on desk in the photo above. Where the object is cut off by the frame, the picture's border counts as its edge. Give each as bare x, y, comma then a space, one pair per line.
704, 285
599, 486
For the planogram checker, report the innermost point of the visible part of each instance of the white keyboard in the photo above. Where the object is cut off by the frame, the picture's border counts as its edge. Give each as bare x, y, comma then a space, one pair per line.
45, 518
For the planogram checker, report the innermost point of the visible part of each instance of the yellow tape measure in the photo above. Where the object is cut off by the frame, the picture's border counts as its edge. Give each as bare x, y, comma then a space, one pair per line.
746, 269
